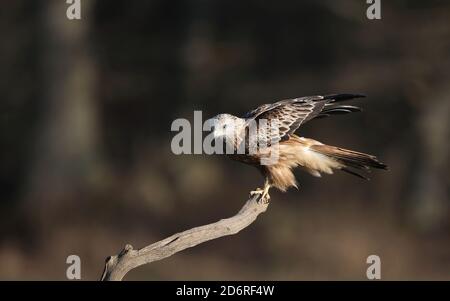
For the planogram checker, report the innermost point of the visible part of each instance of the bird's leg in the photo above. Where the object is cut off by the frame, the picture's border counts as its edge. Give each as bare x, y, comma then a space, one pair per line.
265, 196
264, 192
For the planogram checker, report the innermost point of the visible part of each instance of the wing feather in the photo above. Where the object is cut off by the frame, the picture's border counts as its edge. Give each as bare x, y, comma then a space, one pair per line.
286, 116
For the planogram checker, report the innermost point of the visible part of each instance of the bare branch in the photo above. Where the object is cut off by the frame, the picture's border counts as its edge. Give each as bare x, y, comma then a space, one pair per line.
117, 266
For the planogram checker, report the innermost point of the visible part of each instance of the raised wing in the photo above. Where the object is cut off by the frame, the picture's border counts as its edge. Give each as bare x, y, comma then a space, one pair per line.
288, 115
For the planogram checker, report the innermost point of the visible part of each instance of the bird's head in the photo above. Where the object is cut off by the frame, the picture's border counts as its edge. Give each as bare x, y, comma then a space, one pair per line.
226, 125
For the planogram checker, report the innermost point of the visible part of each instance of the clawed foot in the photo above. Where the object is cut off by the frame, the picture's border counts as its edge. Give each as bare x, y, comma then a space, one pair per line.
264, 195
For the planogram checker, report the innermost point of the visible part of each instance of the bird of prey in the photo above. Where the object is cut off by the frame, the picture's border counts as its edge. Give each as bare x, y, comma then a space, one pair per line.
293, 151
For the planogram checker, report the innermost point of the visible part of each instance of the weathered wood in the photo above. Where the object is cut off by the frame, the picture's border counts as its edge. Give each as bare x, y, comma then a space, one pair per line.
117, 266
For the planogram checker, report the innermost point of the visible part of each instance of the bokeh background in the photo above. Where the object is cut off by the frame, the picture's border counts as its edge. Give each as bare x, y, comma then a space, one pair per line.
86, 109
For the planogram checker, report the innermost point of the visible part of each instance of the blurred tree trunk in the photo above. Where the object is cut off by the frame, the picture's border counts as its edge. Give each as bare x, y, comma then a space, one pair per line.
430, 191
66, 141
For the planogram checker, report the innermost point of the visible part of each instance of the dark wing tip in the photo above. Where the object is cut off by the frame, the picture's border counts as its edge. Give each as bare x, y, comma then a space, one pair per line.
383, 166
340, 109
351, 108
344, 96
377, 164
355, 174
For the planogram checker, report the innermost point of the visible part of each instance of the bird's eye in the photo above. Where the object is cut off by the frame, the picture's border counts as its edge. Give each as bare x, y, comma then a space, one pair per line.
225, 127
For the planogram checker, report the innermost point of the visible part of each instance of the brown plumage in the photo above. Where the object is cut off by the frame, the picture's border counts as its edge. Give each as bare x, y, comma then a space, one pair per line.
315, 158
293, 151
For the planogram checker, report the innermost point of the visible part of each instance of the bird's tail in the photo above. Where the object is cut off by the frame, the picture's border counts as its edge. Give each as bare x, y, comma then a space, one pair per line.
349, 160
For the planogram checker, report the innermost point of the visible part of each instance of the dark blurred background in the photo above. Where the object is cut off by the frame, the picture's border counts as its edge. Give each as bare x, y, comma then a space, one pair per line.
86, 109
